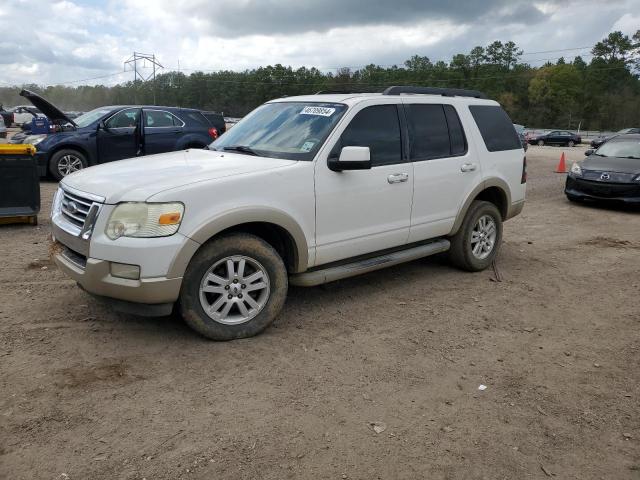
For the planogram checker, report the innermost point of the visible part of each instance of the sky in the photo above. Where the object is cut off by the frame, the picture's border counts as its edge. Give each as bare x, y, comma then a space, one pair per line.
87, 41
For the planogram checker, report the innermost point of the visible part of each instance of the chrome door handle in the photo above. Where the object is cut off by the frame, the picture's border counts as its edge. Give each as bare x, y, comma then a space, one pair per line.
468, 167
398, 178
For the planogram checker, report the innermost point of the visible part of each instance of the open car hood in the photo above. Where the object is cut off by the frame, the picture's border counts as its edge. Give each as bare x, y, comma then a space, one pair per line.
50, 110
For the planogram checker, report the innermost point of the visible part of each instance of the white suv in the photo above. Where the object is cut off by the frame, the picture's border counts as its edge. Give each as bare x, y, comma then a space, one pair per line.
304, 190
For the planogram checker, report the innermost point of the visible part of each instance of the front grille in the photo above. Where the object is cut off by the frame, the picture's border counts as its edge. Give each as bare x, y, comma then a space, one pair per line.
610, 177
607, 190
75, 208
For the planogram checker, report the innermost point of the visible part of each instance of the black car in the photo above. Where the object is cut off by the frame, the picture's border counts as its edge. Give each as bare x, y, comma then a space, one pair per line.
610, 173
598, 141
556, 137
114, 133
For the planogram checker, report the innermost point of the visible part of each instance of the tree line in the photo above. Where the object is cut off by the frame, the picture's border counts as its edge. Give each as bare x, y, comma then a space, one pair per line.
602, 94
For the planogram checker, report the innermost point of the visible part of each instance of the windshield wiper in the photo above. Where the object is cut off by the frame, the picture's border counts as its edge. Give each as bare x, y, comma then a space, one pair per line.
600, 155
242, 149
631, 156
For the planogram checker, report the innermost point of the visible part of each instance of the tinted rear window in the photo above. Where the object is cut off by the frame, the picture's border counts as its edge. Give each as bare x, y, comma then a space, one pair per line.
458, 140
495, 127
429, 132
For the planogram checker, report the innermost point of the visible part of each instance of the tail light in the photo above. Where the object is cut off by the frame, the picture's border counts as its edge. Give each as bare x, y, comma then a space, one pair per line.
213, 132
523, 179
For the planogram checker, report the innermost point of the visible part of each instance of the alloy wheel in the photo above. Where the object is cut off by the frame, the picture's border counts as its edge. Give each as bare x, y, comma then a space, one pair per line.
234, 290
483, 237
68, 164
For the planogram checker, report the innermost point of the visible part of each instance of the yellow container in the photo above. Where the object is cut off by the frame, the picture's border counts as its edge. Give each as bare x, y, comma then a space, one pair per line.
17, 149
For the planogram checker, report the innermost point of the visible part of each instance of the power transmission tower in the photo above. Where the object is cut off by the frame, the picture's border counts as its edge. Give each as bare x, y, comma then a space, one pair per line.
132, 63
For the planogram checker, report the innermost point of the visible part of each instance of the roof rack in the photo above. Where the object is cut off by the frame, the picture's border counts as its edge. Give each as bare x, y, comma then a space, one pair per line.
350, 90
445, 92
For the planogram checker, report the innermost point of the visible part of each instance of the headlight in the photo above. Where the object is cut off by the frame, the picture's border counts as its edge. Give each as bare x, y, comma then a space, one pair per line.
57, 200
34, 139
576, 170
145, 220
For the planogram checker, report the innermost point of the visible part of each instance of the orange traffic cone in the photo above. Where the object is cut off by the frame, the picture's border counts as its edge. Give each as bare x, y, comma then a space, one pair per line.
562, 167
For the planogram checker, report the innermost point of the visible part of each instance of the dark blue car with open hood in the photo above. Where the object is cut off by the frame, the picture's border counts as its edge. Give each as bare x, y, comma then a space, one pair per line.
114, 133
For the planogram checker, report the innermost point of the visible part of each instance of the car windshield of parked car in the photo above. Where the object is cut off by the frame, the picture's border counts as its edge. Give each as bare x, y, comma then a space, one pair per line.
626, 149
289, 130
88, 118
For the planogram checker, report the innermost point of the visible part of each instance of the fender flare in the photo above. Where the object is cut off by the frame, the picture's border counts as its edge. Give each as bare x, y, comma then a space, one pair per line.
238, 217
487, 183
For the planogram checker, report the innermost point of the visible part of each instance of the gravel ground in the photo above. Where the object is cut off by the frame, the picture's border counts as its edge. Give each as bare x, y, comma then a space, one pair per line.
89, 393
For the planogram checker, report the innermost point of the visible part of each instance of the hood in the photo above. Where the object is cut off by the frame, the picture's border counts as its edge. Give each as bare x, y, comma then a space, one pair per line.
50, 110
611, 164
137, 179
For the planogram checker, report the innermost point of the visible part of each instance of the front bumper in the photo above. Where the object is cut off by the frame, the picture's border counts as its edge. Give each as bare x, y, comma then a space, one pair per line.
594, 190
96, 278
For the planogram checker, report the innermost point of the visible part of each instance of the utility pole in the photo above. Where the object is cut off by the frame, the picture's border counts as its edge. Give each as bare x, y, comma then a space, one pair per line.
132, 63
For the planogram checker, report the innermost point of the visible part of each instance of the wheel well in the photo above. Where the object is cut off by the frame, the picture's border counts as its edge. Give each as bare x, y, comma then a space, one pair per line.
497, 196
194, 145
274, 235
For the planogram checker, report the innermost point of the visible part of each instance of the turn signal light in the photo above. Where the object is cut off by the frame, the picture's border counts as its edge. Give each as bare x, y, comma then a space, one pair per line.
172, 218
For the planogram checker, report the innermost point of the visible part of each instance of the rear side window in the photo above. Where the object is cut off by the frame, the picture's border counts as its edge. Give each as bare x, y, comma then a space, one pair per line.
456, 133
157, 118
196, 117
428, 131
495, 127
378, 128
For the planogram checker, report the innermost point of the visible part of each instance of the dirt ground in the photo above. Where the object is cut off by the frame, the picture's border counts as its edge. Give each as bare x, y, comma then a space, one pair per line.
88, 393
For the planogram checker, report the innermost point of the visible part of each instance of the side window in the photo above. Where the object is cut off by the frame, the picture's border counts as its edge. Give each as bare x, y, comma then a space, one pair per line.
428, 131
124, 119
156, 118
456, 132
378, 128
495, 127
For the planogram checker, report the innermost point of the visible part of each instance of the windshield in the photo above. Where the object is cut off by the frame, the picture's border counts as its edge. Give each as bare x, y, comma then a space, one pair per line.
621, 148
88, 118
289, 130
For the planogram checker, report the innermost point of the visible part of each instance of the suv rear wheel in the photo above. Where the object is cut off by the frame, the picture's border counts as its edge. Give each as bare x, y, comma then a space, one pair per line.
477, 242
65, 162
234, 287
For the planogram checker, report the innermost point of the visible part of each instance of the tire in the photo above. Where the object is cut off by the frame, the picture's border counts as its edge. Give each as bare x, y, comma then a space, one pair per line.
65, 162
570, 144
541, 143
461, 253
208, 270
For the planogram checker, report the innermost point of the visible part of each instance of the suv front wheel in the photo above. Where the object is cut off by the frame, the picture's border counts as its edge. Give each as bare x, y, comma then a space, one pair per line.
477, 242
234, 287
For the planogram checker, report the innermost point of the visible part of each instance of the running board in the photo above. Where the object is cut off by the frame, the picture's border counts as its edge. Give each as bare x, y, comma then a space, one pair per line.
318, 277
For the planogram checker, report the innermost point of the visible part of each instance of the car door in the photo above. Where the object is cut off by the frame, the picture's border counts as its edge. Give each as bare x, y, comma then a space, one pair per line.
162, 130
363, 211
118, 136
445, 169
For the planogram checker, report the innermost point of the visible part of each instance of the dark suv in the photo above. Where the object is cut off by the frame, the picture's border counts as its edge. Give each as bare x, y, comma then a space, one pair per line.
114, 133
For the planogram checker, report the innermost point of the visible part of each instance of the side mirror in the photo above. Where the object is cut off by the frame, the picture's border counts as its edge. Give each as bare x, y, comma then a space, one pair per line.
351, 158
589, 152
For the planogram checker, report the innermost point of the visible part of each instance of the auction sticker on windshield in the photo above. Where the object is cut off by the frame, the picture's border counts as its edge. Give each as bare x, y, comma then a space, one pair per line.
322, 111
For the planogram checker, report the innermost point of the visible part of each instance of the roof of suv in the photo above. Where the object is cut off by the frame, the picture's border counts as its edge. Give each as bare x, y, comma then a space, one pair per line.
353, 98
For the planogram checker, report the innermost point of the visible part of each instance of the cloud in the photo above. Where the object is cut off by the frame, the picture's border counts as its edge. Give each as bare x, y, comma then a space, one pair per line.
50, 41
